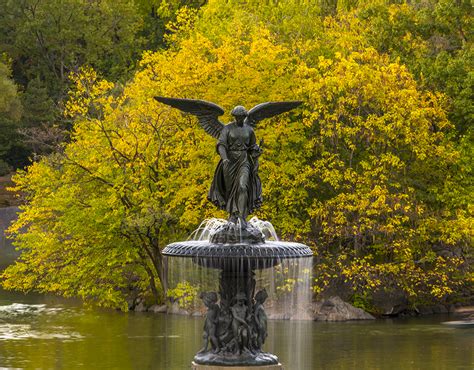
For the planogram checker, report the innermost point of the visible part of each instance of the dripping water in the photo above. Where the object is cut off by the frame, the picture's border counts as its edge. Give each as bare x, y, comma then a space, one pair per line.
211, 225
288, 283
286, 280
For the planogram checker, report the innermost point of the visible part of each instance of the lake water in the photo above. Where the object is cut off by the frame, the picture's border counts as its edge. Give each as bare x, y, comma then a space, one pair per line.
42, 332
38, 332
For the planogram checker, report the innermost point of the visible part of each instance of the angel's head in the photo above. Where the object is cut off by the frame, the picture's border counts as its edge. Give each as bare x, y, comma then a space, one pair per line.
239, 113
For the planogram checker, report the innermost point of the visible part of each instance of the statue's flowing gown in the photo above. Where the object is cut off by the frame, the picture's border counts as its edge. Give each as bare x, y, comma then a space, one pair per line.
237, 190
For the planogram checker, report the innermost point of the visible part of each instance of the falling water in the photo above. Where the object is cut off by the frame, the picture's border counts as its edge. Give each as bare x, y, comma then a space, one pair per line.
210, 225
288, 285
265, 227
287, 280
289, 288
203, 232
283, 269
290, 297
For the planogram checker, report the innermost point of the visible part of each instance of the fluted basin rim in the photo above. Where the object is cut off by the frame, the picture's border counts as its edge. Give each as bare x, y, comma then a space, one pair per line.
269, 249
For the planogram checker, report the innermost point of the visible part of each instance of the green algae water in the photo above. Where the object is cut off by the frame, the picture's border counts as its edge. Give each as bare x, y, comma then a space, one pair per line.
41, 332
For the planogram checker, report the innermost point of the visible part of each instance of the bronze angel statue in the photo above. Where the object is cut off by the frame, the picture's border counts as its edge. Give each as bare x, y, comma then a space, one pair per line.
236, 187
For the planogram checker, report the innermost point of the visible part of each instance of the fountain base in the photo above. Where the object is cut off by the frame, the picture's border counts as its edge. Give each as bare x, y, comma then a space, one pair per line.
236, 324
262, 359
235, 327
195, 366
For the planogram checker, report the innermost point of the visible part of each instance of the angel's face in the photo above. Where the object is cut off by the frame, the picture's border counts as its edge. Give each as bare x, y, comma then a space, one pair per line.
239, 119
239, 113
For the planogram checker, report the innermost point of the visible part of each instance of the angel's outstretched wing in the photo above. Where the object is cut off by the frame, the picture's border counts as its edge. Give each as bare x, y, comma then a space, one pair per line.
206, 112
269, 109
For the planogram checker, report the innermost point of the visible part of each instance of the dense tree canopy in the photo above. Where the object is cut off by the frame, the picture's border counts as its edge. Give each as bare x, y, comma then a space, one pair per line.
10, 114
373, 171
47, 40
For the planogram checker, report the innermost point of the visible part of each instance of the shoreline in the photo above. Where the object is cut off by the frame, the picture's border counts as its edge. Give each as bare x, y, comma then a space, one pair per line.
324, 315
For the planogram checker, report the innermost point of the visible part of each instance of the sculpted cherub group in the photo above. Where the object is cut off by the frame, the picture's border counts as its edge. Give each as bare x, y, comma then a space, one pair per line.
236, 328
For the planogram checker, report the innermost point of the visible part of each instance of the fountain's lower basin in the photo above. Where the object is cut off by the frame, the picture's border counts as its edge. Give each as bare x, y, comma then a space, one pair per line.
237, 255
235, 327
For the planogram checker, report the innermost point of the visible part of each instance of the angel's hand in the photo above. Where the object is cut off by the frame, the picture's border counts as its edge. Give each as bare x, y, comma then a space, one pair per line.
256, 151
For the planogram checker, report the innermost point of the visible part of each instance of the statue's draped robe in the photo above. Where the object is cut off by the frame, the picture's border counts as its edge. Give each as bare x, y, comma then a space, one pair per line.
241, 181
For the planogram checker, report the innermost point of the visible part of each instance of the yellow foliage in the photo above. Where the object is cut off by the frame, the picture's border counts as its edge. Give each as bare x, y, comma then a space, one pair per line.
351, 173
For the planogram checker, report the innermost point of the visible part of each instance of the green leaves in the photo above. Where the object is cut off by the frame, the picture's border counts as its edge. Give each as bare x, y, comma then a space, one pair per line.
10, 114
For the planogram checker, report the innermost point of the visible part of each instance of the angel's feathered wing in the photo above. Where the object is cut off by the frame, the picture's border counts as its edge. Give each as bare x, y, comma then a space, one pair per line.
206, 112
270, 109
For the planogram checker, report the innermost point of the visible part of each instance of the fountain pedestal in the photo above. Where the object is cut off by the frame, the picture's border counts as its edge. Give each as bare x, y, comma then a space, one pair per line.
235, 327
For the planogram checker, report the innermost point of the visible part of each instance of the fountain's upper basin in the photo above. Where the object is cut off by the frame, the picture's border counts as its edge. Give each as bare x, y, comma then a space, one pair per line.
237, 255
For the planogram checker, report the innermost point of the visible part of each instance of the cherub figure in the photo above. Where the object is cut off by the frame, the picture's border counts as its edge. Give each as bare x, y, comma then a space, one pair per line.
224, 328
240, 327
260, 318
210, 325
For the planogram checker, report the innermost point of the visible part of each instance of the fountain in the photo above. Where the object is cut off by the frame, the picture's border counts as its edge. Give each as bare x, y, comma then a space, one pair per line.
235, 327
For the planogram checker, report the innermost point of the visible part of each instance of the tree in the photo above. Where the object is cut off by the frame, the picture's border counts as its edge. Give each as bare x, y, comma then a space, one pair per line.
134, 176
49, 40
362, 172
378, 154
434, 39
10, 114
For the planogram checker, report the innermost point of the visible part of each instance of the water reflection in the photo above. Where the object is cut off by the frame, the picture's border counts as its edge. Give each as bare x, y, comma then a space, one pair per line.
44, 333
